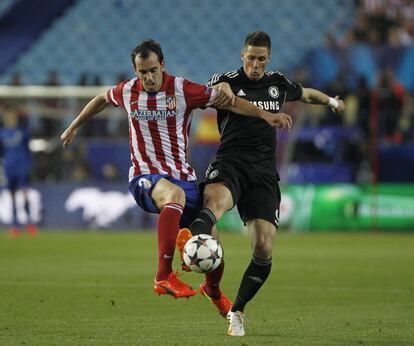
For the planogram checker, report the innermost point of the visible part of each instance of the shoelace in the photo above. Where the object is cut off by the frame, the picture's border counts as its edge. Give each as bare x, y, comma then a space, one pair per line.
241, 318
176, 281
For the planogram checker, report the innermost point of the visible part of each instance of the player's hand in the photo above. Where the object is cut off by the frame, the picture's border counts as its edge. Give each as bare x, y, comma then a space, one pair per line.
279, 120
67, 136
341, 106
225, 96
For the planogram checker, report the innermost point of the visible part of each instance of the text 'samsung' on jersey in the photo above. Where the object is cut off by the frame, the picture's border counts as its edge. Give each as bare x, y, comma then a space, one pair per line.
248, 139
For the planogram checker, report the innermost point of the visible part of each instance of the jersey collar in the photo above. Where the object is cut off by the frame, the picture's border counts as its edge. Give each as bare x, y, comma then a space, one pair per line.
244, 77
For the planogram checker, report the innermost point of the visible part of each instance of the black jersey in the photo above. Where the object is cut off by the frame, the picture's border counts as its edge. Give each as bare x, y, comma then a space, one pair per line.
247, 140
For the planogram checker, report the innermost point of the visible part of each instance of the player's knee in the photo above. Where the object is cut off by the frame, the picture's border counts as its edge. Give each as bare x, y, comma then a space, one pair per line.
263, 250
175, 195
263, 246
216, 205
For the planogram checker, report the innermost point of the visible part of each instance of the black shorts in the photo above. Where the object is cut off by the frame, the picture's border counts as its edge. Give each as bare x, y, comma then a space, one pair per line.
257, 195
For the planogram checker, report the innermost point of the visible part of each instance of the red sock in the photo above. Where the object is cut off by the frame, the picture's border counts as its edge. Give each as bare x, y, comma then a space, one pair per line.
167, 229
213, 281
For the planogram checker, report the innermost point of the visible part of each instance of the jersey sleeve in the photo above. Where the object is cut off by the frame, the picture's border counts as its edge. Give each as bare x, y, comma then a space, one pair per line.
114, 94
293, 89
198, 95
216, 79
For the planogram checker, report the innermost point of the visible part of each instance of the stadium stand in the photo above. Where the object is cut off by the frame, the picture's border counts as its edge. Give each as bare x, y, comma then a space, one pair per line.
5, 5
362, 50
365, 54
22, 24
89, 39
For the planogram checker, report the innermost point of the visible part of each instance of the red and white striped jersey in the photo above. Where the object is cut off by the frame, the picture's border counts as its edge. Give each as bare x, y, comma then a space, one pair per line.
159, 123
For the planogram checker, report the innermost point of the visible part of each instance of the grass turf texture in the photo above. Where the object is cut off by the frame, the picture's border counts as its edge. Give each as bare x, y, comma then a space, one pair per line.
96, 289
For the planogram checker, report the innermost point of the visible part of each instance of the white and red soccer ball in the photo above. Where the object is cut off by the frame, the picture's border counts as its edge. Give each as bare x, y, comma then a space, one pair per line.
202, 253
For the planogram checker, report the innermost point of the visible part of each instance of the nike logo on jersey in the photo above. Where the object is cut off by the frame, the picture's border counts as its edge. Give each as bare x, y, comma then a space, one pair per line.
167, 257
241, 93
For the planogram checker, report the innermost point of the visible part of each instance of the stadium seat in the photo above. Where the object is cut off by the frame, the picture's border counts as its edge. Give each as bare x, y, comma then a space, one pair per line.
5, 5
198, 40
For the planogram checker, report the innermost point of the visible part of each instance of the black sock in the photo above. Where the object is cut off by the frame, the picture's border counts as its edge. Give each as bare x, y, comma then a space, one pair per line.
254, 277
27, 209
204, 222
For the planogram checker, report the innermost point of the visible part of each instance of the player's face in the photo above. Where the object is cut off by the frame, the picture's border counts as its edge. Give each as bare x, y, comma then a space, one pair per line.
150, 72
255, 60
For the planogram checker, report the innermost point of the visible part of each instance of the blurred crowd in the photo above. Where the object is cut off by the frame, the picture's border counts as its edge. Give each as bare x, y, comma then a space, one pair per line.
383, 113
47, 118
383, 22
385, 110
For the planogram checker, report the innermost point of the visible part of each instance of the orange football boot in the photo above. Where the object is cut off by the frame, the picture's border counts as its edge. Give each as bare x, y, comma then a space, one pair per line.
31, 229
174, 287
223, 304
182, 238
14, 232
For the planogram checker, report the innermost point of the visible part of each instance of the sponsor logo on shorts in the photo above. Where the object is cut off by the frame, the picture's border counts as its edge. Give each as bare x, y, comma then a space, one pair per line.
145, 183
273, 92
213, 174
277, 217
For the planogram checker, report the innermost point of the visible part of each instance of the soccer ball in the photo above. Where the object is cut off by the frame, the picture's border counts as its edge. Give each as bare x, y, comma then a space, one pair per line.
202, 253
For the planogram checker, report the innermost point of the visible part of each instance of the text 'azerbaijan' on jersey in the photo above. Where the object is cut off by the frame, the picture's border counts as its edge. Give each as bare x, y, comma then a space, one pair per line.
159, 123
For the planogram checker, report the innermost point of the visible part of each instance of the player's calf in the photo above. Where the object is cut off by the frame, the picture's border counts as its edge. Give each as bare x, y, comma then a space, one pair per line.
222, 303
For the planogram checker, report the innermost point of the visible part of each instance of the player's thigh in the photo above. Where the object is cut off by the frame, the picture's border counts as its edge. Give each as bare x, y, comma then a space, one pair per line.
218, 198
261, 200
23, 181
222, 186
16, 180
166, 191
142, 189
193, 201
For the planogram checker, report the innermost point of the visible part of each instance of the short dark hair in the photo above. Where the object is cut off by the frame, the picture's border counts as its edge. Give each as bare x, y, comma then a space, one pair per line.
258, 39
144, 49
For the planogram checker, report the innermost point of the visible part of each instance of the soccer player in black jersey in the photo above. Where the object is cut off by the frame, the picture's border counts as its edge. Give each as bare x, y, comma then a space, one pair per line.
244, 172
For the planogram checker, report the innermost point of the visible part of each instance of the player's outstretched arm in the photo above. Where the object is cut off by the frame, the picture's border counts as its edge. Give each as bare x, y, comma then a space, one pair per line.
225, 96
317, 97
243, 107
96, 105
280, 120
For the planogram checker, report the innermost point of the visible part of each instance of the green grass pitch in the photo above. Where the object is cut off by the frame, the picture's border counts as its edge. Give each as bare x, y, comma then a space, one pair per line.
74, 288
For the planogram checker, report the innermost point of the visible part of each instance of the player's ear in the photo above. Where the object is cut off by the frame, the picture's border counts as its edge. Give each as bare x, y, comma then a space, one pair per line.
241, 54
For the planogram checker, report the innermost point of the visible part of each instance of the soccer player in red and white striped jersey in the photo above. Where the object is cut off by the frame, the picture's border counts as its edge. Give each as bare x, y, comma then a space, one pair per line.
159, 108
